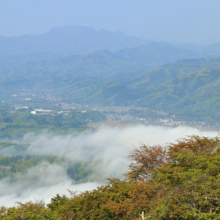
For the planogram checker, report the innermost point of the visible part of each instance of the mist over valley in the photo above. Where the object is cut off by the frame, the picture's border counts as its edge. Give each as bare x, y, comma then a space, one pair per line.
49, 164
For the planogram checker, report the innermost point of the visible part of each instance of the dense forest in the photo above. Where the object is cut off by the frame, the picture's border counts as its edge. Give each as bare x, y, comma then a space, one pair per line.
180, 181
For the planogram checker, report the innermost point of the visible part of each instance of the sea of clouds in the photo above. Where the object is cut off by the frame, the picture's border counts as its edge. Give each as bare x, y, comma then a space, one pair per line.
106, 148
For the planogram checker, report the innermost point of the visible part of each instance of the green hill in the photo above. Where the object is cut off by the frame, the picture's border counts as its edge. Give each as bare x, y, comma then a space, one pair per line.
162, 74
188, 87
194, 94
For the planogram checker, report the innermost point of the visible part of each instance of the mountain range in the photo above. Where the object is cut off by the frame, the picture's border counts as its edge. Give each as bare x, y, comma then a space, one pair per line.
160, 76
78, 40
66, 40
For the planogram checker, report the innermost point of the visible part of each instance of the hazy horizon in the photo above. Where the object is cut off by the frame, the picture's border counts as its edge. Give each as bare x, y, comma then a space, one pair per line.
181, 21
143, 39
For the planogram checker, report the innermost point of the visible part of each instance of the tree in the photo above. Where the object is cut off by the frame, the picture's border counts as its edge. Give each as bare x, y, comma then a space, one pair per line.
181, 181
146, 160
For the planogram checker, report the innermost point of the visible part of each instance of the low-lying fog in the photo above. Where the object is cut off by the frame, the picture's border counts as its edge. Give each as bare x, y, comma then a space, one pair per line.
106, 149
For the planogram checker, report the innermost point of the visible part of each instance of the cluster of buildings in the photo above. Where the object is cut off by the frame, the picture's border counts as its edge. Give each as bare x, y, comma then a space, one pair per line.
119, 114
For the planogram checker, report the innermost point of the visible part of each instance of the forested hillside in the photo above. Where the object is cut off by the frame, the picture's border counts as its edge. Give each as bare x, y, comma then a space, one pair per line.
167, 72
180, 181
194, 94
188, 88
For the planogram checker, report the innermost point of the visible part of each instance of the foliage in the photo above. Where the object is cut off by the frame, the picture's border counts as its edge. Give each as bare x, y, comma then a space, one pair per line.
193, 94
30, 210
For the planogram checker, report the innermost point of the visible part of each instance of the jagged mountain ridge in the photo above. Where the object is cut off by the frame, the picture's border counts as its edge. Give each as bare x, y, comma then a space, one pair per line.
67, 40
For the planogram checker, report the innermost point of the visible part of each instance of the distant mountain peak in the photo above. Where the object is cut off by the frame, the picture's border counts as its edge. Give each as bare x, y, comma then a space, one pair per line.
67, 40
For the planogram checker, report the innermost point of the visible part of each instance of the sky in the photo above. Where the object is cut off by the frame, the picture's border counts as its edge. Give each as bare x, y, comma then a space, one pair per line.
175, 21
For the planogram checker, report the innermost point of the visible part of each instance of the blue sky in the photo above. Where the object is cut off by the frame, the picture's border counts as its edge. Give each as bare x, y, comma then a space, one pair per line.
177, 21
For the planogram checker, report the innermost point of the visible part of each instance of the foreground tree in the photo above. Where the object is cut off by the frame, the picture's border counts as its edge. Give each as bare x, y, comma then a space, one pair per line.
181, 181
191, 181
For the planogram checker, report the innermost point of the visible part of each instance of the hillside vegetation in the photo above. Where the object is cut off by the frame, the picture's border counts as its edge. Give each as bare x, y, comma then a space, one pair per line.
194, 94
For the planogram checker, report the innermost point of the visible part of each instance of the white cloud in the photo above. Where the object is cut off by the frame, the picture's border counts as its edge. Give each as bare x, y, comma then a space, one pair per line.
107, 149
